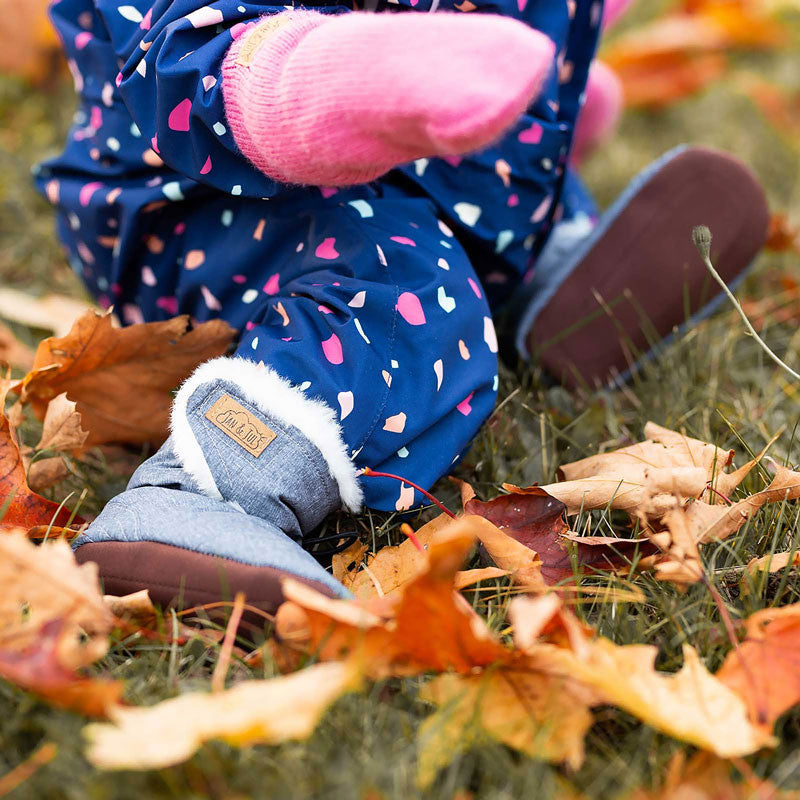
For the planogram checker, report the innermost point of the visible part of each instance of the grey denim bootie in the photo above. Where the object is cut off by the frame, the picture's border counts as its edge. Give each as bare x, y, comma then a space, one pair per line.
252, 466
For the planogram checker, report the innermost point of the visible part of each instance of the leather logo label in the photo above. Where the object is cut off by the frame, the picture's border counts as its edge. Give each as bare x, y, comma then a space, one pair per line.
235, 421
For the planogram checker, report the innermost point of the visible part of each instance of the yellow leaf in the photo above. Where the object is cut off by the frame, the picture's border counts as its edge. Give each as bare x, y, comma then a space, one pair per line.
269, 712
543, 715
691, 705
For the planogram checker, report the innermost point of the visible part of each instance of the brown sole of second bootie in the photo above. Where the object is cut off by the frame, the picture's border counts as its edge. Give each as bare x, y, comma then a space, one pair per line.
644, 276
175, 576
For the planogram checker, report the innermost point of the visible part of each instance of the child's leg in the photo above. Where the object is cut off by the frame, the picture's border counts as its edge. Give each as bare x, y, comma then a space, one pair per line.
377, 349
592, 312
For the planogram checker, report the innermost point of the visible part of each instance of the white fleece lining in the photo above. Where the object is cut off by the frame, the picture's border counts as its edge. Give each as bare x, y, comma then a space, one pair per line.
276, 397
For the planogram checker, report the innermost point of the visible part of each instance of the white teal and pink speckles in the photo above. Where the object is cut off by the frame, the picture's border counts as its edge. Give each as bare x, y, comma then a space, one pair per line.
376, 299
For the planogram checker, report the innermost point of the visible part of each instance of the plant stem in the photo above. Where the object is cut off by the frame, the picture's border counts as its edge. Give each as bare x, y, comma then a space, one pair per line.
702, 240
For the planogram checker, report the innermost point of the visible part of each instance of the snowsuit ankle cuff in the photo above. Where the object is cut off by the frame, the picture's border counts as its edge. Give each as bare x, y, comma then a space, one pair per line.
241, 431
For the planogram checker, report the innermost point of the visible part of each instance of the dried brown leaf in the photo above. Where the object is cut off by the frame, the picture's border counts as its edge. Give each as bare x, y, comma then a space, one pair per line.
62, 429
538, 713
38, 669
121, 379
774, 562
46, 472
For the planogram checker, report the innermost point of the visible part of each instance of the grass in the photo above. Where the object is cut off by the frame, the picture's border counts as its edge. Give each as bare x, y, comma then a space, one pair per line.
714, 382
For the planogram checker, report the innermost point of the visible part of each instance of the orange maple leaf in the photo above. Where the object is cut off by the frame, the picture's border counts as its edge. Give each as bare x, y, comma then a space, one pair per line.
25, 508
765, 668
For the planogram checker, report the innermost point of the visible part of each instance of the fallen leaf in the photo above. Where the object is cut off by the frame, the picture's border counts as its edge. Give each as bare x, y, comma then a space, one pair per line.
12, 351
253, 712
25, 508
667, 60
678, 54
543, 715
545, 619
528, 703
61, 429
764, 669
707, 777
510, 554
42, 532
121, 379
534, 521
646, 474
46, 472
655, 488
53, 622
691, 705
470, 577
782, 236
38, 669
391, 568
680, 562
662, 449
341, 562
42, 584
399, 641
746, 23
137, 606
773, 563
29, 47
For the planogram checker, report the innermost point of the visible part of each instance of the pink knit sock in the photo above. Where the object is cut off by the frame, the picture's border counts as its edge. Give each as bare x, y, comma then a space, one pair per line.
338, 100
600, 113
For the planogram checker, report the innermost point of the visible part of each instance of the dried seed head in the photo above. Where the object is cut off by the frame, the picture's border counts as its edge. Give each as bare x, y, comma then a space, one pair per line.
702, 240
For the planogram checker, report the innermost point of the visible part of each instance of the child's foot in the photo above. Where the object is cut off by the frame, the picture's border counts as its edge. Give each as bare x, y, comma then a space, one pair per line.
341, 99
600, 112
225, 503
638, 275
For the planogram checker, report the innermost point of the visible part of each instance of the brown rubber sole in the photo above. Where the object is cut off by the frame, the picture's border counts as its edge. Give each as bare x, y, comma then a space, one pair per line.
175, 576
644, 277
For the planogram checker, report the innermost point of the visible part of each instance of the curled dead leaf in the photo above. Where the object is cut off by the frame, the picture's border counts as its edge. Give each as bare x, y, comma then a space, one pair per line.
61, 429
774, 562
46, 472
44, 583
121, 379
691, 705
25, 508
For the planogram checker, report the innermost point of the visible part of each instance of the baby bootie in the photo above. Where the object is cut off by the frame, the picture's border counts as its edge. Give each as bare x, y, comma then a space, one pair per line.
225, 503
600, 303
